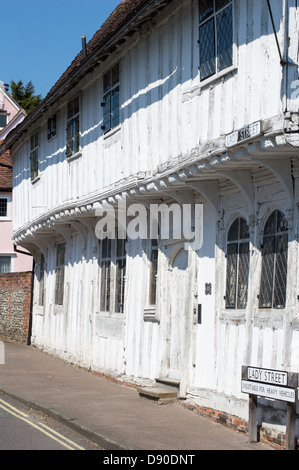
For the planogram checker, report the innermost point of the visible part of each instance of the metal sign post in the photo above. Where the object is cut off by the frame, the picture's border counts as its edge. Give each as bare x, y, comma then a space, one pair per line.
276, 385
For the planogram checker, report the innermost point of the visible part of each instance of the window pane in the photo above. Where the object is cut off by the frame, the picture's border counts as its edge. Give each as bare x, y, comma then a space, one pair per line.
231, 275
267, 278
105, 286
106, 248
59, 286
3, 120
206, 8
243, 274
233, 233
60, 262
115, 107
120, 285
153, 272
107, 112
282, 223
280, 284
207, 49
271, 225
220, 4
244, 230
76, 146
3, 207
5, 264
69, 141
224, 39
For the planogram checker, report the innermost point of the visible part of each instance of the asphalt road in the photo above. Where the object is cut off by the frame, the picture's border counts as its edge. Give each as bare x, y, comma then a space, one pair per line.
25, 429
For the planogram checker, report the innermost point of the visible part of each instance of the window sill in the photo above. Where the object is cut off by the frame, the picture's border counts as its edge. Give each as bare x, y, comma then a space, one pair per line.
149, 315
59, 309
35, 180
233, 315
195, 90
74, 157
112, 315
112, 132
218, 76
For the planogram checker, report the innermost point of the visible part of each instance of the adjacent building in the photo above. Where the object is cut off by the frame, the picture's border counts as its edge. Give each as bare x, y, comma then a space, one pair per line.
181, 106
11, 114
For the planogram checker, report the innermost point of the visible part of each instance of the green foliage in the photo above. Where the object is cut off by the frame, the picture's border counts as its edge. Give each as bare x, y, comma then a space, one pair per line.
24, 95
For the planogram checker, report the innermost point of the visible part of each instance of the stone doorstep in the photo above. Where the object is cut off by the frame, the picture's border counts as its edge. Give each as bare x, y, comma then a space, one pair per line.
160, 395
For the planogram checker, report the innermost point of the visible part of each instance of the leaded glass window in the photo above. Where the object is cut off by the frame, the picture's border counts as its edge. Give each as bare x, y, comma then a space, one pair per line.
215, 36
237, 270
111, 99
34, 148
273, 286
73, 127
113, 275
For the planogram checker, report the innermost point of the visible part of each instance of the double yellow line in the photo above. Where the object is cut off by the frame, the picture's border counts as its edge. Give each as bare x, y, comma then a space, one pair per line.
43, 428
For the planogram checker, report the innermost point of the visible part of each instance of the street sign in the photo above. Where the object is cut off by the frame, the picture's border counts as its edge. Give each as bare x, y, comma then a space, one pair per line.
241, 135
269, 391
276, 385
268, 383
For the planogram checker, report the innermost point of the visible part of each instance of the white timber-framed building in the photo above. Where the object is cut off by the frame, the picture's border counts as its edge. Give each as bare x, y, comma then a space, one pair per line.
173, 102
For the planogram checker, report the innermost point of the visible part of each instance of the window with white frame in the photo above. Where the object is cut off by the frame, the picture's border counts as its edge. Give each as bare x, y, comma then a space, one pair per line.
73, 127
111, 99
113, 275
237, 266
5, 264
273, 287
34, 150
215, 36
60, 273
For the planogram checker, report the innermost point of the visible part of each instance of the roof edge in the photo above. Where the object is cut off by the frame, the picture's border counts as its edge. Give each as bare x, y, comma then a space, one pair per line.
77, 71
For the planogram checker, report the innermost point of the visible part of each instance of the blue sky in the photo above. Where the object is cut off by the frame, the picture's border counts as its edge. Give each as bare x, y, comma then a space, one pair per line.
40, 38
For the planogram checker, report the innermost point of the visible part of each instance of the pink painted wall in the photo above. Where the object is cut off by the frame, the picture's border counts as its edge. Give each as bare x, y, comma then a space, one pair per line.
20, 262
8, 104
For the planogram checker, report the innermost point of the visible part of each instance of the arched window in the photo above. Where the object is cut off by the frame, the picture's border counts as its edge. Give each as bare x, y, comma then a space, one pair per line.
237, 269
274, 262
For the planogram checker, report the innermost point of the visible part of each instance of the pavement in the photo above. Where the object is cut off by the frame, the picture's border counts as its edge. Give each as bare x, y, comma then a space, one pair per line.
112, 415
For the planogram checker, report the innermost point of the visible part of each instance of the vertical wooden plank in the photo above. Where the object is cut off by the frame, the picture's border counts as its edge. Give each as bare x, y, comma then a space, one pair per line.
252, 423
291, 425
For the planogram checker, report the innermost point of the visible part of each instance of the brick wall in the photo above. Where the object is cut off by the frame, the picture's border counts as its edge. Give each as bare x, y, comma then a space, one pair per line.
15, 305
5, 171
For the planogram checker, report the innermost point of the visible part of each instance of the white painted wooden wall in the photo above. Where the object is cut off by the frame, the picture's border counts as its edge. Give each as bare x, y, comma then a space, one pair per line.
168, 117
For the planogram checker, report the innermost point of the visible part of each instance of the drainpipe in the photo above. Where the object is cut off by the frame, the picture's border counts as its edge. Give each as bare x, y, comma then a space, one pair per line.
283, 62
31, 306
